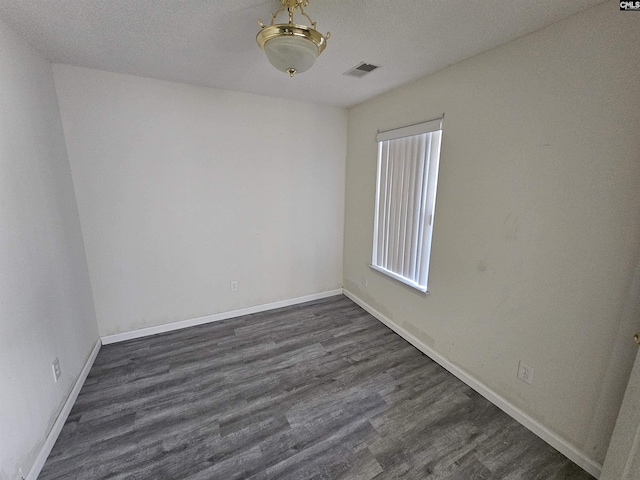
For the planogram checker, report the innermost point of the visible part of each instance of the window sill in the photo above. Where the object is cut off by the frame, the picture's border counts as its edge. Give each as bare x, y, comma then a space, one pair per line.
414, 286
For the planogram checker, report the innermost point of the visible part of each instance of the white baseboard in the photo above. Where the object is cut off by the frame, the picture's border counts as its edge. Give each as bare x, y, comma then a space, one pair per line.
168, 327
62, 417
557, 442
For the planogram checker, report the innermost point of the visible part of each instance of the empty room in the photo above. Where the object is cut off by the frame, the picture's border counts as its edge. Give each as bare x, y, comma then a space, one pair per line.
290, 239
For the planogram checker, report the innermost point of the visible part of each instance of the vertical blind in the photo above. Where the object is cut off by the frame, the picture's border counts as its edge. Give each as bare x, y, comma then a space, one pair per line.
405, 201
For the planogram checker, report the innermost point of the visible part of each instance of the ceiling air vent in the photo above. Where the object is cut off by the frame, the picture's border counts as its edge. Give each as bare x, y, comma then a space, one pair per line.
361, 70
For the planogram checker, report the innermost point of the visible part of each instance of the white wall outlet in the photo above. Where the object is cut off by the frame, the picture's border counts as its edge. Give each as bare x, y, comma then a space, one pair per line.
234, 286
525, 372
56, 370
365, 281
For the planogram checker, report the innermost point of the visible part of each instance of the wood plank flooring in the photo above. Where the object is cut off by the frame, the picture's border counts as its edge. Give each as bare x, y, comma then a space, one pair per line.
315, 391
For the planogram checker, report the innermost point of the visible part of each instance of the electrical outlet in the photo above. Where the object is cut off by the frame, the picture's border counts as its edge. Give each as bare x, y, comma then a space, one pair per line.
56, 370
365, 281
525, 372
234, 286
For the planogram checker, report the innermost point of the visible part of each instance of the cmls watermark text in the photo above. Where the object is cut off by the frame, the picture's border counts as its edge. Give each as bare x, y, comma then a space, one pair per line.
626, 6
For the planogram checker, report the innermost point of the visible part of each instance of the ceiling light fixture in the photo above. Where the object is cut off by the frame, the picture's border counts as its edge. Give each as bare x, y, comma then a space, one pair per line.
290, 47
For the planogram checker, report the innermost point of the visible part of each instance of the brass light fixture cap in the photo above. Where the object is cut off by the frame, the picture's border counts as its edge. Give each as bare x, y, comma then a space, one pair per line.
284, 29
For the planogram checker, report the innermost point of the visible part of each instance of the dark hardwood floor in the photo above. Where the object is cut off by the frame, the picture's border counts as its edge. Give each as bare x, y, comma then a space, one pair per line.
315, 391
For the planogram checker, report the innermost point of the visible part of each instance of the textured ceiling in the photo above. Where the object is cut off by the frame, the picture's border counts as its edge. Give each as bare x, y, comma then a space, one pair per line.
212, 42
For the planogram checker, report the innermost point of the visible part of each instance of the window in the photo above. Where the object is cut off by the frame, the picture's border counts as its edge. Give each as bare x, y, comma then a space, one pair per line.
408, 160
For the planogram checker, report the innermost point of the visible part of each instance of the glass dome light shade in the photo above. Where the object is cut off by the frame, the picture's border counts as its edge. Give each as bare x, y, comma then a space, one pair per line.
290, 52
291, 48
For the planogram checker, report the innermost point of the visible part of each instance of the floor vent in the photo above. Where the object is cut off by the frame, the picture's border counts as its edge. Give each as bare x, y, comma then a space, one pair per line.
361, 70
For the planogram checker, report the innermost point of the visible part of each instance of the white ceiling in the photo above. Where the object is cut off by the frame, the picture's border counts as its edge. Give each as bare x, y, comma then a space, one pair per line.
212, 42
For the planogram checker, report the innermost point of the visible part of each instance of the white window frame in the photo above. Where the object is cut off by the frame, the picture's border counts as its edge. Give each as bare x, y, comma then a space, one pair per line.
406, 184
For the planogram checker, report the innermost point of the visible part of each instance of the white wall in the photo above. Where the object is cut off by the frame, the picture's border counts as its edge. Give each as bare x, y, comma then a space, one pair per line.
46, 308
537, 226
183, 189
